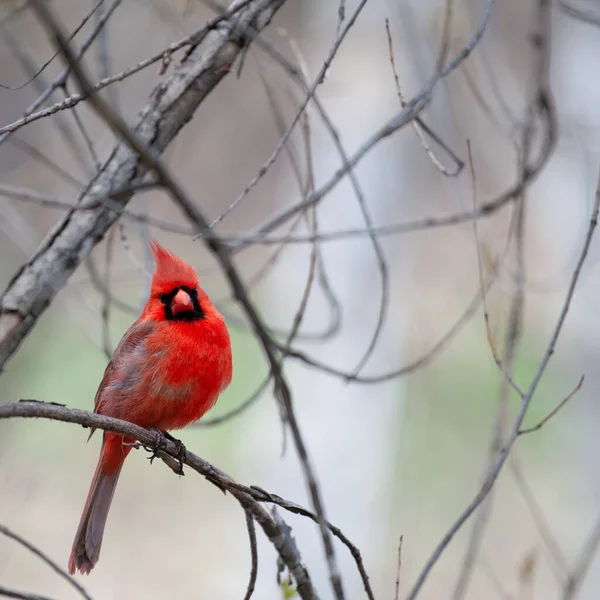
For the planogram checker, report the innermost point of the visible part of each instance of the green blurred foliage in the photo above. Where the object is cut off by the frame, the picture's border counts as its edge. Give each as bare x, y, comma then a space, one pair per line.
452, 406
60, 362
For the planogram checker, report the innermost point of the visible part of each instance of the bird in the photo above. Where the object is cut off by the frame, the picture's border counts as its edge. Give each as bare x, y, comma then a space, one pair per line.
167, 371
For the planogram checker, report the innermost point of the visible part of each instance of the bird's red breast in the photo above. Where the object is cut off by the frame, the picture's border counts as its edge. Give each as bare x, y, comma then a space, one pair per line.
167, 371
175, 360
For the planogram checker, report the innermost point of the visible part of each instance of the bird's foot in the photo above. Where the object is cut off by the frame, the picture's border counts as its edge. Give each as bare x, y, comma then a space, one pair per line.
181, 452
160, 445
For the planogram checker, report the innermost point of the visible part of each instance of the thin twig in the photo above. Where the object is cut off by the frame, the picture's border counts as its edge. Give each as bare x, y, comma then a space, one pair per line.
558, 561
39, 84
170, 454
170, 106
483, 515
583, 563
537, 101
414, 365
106, 298
110, 201
62, 78
284, 139
222, 254
398, 569
74, 99
238, 410
491, 480
553, 411
253, 553
418, 125
20, 595
41, 158
45, 558
308, 94
413, 108
39, 71
104, 58
585, 16
341, 17
87, 140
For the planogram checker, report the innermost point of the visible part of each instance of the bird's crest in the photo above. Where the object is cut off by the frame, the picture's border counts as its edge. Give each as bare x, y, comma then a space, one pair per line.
170, 271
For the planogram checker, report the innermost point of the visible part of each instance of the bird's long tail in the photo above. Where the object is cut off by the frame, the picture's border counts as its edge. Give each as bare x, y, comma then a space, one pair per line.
88, 539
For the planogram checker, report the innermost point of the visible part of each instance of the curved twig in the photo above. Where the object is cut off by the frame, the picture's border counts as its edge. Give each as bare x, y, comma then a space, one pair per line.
248, 496
503, 454
43, 557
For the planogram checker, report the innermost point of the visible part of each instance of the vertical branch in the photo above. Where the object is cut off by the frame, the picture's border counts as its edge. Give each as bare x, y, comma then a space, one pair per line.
253, 554
491, 480
540, 41
583, 563
398, 569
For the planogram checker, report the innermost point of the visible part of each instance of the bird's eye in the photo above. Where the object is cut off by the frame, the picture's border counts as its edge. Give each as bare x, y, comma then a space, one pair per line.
164, 298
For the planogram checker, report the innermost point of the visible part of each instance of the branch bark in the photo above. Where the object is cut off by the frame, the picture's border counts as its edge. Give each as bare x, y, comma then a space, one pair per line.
150, 162
249, 498
171, 105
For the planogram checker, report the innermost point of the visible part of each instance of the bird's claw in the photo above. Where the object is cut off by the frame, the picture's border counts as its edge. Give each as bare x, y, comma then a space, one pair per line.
181, 455
160, 445
181, 451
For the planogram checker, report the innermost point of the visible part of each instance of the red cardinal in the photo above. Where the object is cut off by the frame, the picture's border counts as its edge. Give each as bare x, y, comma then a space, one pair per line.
167, 371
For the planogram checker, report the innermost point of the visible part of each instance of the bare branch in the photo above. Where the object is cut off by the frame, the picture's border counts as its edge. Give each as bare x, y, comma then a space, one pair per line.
234, 412
558, 562
398, 570
79, 27
341, 17
136, 164
12, 593
418, 125
494, 580
494, 473
553, 412
45, 558
485, 511
61, 80
415, 364
170, 454
192, 40
585, 16
221, 252
253, 553
283, 141
583, 563
170, 106
406, 115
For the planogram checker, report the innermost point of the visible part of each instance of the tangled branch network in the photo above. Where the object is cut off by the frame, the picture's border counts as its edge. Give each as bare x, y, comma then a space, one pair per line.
189, 70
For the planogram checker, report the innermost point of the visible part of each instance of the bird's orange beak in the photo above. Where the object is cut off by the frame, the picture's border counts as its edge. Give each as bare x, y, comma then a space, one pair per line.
182, 302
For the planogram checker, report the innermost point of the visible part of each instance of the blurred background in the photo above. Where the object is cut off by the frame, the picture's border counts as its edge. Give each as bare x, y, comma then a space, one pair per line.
402, 457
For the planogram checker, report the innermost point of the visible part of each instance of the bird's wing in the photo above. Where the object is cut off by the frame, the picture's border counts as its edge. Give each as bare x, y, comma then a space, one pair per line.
120, 362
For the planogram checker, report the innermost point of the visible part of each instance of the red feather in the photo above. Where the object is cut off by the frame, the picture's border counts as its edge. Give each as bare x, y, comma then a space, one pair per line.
167, 371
